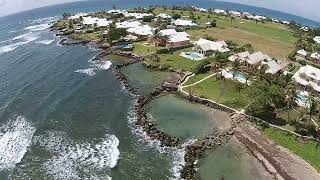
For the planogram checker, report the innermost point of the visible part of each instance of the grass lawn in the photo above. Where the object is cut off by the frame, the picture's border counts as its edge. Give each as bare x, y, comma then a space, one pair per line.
221, 91
307, 150
142, 49
177, 61
271, 46
86, 36
271, 38
196, 78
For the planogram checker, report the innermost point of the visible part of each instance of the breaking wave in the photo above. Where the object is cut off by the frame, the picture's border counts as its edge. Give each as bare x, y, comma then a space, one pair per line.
46, 42
39, 27
13, 46
21, 36
88, 71
178, 153
74, 160
15, 138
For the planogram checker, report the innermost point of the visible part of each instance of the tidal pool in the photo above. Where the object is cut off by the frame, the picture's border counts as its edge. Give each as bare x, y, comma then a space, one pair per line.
183, 119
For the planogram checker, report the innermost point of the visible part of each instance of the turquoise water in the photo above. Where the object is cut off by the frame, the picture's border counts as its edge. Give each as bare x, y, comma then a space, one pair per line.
231, 162
181, 118
145, 79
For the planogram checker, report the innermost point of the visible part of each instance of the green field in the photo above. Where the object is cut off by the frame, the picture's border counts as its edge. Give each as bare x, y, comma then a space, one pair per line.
308, 150
86, 36
224, 92
271, 38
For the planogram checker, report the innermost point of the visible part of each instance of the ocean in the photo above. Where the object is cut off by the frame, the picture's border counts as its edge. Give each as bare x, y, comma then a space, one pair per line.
62, 116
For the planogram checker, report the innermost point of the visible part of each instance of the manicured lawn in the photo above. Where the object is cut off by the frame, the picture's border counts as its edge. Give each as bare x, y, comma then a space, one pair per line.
308, 150
221, 91
142, 49
86, 36
271, 46
196, 78
177, 61
271, 38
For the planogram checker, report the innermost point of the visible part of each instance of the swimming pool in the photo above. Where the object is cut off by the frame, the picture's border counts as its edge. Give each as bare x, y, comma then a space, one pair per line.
192, 55
125, 46
235, 75
302, 99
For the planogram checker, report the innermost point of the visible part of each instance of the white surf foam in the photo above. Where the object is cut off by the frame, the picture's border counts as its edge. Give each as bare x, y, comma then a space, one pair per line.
103, 65
15, 137
46, 42
39, 27
88, 71
177, 153
73, 160
13, 46
21, 36
46, 19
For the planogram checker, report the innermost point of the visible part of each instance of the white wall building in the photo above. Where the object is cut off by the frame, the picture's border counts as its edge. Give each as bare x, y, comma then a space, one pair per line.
317, 39
205, 47
182, 22
128, 24
144, 30
308, 77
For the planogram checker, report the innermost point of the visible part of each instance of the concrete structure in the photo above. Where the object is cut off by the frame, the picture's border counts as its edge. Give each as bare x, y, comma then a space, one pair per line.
206, 47
143, 30
184, 23
308, 77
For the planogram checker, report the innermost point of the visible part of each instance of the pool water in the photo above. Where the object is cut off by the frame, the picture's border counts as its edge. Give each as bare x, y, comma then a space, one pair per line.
240, 77
125, 46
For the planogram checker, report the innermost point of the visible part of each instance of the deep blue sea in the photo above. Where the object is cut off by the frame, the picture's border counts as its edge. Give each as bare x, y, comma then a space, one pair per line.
62, 116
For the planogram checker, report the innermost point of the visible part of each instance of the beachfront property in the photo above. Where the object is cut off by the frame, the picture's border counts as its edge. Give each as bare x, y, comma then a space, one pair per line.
220, 11
88, 20
184, 23
128, 24
77, 16
163, 16
175, 39
142, 30
308, 78
273, 67
317, 39
137, 15
207, 47
251, 60
301, 54
235, 13
315, 57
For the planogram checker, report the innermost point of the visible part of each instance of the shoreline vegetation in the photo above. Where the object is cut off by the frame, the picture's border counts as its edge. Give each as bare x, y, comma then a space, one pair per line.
215, 92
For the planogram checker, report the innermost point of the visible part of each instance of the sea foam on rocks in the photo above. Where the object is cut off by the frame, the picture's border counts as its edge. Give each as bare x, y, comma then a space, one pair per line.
15, 137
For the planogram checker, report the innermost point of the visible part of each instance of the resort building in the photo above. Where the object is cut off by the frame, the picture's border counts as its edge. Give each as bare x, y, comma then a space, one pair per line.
275, 20
164, 16
305, 29
144, 30
117, 11
272, 67
76, 16
180, 39
235, 13
167, 32
285, 22
94, 20
317, 39
137, 15
220, 11
301, 54
251, 60
315, 57
206, 47
308, 77
128, 24
184, 23
199, 9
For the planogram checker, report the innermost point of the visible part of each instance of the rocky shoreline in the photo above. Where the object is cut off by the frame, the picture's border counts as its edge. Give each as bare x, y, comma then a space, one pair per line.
195, 151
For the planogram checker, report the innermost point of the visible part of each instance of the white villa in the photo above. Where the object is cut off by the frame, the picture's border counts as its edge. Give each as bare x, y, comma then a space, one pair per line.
285, 22
76, 16
137, 15
220, 11
301, 54
199, 9
185, 23
315, 57
176, 39
308, 77
117, 11
128, 24
144, 30
103, 22
164, 16
235, 13
206, 47
251, 60
317, 39
273, 67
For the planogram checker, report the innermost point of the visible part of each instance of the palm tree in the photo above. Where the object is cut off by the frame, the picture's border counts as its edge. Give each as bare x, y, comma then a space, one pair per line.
232, 19
291, 94
313, 107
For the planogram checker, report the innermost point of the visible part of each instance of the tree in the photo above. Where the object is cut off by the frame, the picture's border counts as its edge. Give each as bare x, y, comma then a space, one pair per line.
232, 19
147, 18
313, 107
291, 95
202, 67
213, 23
176, 16
115, 34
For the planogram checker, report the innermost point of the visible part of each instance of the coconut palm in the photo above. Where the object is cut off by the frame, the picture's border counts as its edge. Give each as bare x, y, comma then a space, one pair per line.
291, 95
